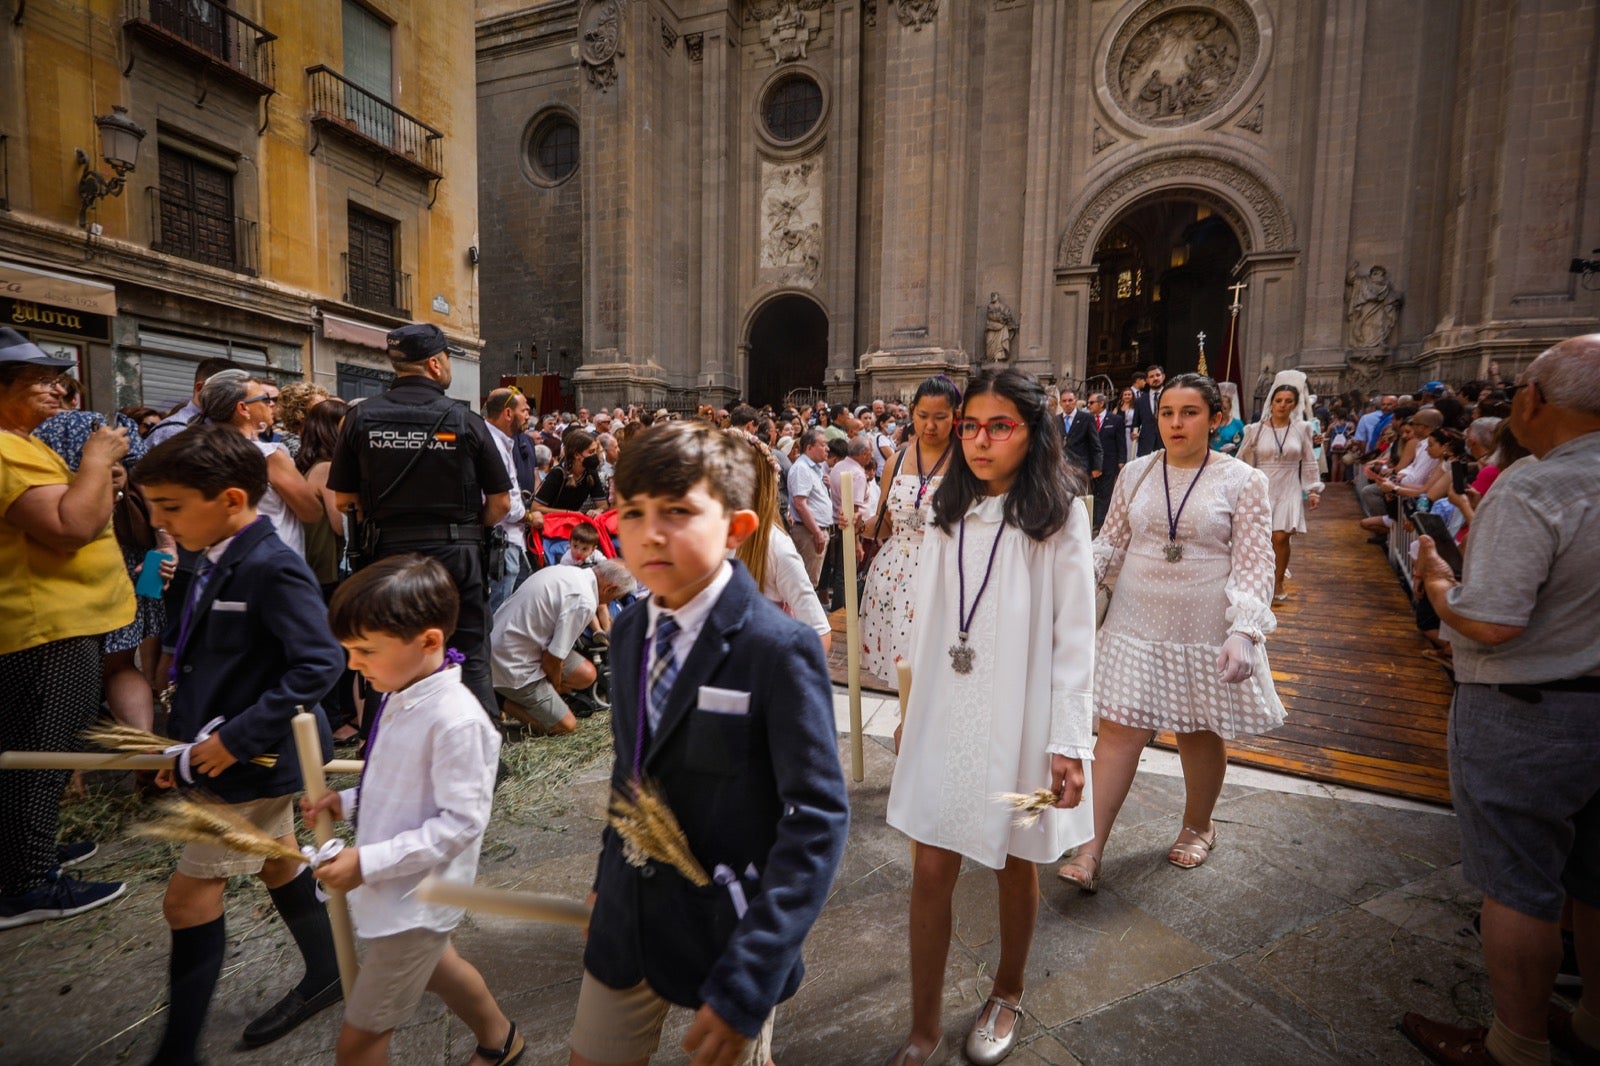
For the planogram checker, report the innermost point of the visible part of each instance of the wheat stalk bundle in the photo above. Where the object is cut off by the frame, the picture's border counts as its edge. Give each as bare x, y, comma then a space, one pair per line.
190, 821
649, 830
114, 736
1029, 806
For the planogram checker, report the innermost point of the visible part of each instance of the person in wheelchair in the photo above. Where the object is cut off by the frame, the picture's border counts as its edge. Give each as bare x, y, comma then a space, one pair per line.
538, 665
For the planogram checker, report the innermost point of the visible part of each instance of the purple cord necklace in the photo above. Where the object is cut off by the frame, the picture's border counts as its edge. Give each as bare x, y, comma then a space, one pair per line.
961, 653
923, 479
1174, 547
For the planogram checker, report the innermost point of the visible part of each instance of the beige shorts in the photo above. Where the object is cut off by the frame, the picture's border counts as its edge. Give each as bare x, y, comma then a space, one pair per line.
539, 698
274, 816
624, 1025
395, 971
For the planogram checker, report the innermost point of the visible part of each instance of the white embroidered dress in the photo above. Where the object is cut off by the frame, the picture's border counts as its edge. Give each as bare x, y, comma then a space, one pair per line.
1289, 459
1156, 661
970, 737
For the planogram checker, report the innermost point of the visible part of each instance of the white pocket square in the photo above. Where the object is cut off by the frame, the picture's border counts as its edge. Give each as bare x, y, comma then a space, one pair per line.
229, 605
724, 700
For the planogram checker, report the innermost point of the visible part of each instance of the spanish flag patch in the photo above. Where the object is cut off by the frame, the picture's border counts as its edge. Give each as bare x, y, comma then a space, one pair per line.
446, 437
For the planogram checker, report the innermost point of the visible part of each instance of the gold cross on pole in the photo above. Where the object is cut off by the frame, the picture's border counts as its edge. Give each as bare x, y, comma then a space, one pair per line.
1201, 366
1236, 288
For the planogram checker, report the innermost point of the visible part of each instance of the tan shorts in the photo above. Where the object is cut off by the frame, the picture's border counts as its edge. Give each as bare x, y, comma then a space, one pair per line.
395, 971
274, 816
624, 1025
539, 698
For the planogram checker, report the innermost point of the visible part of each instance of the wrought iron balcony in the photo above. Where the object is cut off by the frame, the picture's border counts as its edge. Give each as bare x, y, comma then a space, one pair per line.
206, 33
377, 290
370, 122
180, 227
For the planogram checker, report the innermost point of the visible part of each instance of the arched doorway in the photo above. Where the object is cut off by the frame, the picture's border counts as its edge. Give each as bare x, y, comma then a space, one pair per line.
1162, 274
788, 349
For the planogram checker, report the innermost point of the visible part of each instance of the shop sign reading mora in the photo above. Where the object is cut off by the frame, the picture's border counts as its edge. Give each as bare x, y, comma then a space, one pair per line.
27, 315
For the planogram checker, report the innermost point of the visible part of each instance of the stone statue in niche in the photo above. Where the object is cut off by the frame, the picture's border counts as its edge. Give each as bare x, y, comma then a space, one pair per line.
999, 326
1178, 66
600, 32
1371, 306
789, 32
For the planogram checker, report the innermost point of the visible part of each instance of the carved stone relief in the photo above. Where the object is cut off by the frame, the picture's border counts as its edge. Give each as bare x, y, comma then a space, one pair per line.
600, 42
1102, 139
790, 30
694, 46
1176, 62
669, 36
791, 221
1000, 324
1253, 119
869, 13
916, 13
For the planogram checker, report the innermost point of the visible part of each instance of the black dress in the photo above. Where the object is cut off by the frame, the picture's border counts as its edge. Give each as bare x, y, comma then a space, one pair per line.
558, 492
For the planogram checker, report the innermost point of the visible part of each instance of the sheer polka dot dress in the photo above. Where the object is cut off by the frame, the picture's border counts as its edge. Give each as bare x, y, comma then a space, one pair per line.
1156, 654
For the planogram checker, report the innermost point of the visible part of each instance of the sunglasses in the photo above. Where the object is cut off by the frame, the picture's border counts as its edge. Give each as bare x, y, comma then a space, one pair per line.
270, 401
1512, 390
998, 429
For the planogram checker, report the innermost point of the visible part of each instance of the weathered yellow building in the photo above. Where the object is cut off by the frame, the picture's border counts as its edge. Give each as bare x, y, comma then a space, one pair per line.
303, 179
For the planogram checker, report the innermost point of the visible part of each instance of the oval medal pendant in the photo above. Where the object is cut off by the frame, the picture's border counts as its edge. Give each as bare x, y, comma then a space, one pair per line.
1174, 551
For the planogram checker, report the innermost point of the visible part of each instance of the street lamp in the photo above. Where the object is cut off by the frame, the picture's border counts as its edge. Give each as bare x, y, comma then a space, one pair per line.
119, 145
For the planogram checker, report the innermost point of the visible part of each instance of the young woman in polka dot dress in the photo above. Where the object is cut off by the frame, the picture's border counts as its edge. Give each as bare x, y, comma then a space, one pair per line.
909, 482
1188, 547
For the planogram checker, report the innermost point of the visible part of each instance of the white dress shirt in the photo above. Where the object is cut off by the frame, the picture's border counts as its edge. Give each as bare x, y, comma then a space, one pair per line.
788, 585
422, 804
545, 616
512, 522
691, 618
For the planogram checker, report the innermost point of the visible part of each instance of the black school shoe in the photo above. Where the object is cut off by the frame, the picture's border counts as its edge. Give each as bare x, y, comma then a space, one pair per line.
288, 1013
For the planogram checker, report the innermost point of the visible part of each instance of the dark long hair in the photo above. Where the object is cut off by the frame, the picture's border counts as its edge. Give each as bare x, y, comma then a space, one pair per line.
1040, 499
319, 433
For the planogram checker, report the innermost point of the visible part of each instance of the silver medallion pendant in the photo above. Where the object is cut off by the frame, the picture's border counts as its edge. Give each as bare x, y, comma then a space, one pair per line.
961, 656
915, 522
1174, 551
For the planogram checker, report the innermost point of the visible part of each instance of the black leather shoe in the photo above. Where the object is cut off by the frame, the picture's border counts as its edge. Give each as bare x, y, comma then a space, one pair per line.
288, 1013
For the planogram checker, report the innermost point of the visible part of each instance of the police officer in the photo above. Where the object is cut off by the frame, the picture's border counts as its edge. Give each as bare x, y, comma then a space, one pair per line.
425, 476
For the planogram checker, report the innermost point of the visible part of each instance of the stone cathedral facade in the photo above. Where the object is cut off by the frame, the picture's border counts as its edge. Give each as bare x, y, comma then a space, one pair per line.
694, 200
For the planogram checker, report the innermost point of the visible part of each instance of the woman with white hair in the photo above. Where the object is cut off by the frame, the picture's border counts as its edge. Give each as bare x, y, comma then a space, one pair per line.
233, 398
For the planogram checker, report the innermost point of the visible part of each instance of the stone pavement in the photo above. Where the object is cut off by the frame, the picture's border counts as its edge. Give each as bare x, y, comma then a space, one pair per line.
1320, 918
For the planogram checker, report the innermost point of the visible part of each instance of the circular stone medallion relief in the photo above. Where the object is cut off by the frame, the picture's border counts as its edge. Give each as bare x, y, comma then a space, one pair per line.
1175, 63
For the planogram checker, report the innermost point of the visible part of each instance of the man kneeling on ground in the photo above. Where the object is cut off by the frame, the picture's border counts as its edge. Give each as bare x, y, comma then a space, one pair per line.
534, 662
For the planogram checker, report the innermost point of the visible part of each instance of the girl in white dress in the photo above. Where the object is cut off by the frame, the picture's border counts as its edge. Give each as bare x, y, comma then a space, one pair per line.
1002, 657
908, 484
1187, 546
773, 560
1282, 447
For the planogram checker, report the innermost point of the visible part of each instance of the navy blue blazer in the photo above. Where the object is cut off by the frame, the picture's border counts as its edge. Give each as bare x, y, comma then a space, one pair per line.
761, 789
1144, 420
259, 649
1082, 444
1113, 445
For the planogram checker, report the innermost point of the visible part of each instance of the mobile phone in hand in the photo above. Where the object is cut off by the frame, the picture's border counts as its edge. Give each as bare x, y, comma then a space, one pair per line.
150, 584
1458, 476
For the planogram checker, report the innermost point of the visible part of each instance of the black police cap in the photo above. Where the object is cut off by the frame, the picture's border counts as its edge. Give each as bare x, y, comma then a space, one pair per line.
417, 342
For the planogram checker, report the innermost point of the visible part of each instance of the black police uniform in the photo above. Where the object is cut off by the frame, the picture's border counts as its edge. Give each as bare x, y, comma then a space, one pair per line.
422, 463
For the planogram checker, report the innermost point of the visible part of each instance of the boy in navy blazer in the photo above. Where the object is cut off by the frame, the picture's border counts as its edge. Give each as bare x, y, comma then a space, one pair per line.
252, 645
724, 702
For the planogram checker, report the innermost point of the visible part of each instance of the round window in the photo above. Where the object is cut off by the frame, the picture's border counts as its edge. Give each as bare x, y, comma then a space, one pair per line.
792, 108
553, 148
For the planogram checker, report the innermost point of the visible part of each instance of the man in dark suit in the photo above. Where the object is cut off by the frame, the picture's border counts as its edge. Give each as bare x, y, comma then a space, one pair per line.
1081, 441
723, 703
1146, 404
1113, 451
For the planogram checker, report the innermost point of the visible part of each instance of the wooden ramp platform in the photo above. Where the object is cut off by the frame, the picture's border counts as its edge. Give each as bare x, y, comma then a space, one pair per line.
1366, 708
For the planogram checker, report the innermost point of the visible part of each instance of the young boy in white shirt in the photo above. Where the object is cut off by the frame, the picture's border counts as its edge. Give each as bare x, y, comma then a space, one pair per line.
420, 808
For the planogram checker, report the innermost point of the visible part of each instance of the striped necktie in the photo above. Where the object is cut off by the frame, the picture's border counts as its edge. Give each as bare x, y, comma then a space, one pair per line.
665, 669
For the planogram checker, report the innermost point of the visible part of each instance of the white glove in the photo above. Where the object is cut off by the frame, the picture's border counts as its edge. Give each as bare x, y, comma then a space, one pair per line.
1237, 660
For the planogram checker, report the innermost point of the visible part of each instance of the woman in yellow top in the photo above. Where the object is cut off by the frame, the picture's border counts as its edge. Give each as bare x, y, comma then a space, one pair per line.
62, 588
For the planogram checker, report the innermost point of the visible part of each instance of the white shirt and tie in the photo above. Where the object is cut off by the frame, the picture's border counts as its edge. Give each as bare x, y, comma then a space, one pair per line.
690, 620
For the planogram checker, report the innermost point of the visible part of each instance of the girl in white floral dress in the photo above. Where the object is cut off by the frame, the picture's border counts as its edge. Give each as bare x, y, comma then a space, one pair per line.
908, 484
1188, 547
